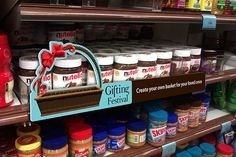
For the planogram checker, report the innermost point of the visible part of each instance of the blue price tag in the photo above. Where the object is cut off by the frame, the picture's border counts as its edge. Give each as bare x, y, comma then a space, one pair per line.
168, 149
226, 126
208, 21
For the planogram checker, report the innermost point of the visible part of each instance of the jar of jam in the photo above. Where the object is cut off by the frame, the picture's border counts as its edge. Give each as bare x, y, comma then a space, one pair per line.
146, 66
125, 67
182, 112
181, 62
67, 72
105, 62
208, 64
163, 63
195, 59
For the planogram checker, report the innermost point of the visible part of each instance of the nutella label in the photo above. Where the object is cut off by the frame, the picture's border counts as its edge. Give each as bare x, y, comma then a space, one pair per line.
67, 80
9, 91
181, 67
48, 81
24, 83
106, 77
64, 36
125, 75
195, 64
163, 70
146, 72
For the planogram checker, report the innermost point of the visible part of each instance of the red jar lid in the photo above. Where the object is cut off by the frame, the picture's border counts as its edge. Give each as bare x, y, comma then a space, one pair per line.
209, 139
224, 149
71, 121
80, 132
3, 39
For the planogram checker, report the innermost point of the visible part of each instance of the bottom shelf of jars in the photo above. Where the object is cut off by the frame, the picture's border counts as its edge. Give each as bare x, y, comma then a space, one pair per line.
213, 123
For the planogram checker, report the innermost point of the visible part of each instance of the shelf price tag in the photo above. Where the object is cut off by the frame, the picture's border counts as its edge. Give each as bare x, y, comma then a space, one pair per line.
208, 22
226, 126
168, 149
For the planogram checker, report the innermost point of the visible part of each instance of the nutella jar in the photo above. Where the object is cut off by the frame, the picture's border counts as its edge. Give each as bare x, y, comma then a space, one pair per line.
64, 32
84, 68
146, 66
67, 72
131, 50
195, 59
125, 67
105, 62
163, 63
108, 51
80, 34
181, 62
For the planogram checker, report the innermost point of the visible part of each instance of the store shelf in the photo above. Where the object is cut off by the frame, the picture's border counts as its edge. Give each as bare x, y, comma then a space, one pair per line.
223, 76
214, 124
33, 12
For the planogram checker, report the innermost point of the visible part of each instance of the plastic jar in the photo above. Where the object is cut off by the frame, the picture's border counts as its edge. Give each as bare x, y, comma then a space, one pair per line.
33, 129
28, 145
195, 59
182, 112
172, 121
125, 67
204, 107
163, 63
116, 137
55, 144
208, 64
181, 62
208, 150
193, 114
156, 133
146, 66
183, 154
136, 133
67, 72
224, 150
99, 141
195, 151
80, 143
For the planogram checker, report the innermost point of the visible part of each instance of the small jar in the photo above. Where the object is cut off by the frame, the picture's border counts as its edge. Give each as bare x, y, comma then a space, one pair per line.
193, 114
80, 143
116, 137
183, 154
146, 66
64, 32
208, 150
224, 150
99, 141
125, 68
67, 72
33, 129
55, 145
28, 145
156, 133
84, 68
105, 62
195, 59
195, 151
205, 102
108, 51
136, 133
182, 112
163, 63
181, 62
208, 63
172, 122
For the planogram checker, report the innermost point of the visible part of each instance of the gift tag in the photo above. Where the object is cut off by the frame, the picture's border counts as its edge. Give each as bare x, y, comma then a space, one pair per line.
208, 22
226, 126
168, 149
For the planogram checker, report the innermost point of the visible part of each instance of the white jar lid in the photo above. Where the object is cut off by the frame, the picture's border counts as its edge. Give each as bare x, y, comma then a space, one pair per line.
126, 59
83, 59
182, 53
132, 50
28, 62
164, 55
195, 51
108, 51
70, 62
147, 57
104, 58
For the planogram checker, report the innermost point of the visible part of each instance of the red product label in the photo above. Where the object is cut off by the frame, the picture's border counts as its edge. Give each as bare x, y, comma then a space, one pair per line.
81, 153
132, 72
158, 132
72, 77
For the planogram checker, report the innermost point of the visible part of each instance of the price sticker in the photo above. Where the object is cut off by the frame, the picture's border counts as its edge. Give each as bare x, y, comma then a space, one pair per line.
208, 22
226, 126
168, 149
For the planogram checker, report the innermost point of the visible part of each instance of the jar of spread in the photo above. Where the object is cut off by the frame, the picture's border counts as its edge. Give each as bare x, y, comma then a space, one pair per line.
105, 62
116, 137
195, 151
193, 114
156, 133
79, 34
195, 59
208, 64
146, 66
208, 149
132, 50
163, 63
33, 129
136, 133
67, 72
84, 68
89, 33
80, 143
99, 141
125, 67
181, 62
28, 146
171, 128
55, 145
64, 32
183, 154
182, 112
205, 102
224, 150
109, 51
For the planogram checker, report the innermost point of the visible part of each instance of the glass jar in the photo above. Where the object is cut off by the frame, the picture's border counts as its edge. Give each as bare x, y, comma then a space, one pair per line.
208, 64
163, 63
195, 59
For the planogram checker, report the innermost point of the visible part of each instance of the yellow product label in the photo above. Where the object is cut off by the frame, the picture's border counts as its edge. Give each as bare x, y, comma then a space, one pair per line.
194, 4
206, 5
